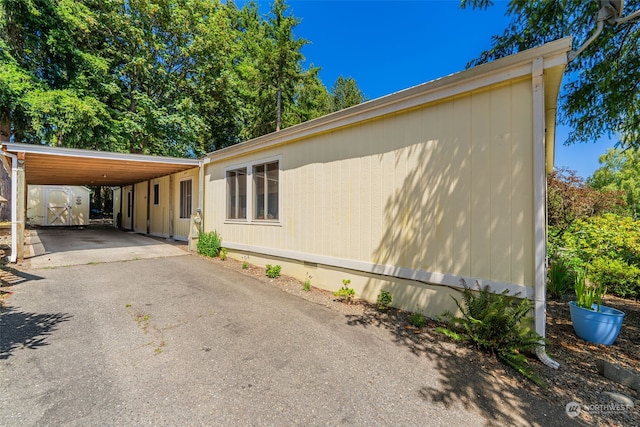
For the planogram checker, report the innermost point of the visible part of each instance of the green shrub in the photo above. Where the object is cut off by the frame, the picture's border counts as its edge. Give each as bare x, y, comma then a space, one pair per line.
617, 276
559, 277
273, 271
417, 319
306, 286
608, 236
384, 299
209, 244
223, 254
497, 323
345, 292
608, 247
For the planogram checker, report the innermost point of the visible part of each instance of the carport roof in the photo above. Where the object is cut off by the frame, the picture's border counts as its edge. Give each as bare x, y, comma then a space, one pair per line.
65, 166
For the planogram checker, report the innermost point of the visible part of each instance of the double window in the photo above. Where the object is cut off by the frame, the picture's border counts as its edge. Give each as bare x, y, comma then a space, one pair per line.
258, 183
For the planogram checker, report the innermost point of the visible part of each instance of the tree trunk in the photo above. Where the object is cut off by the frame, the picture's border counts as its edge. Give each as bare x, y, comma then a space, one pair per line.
5, 127
279, 102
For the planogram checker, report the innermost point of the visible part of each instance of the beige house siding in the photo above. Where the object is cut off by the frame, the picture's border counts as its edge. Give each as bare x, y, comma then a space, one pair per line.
163, 219
181, 231
444, 188
435, 192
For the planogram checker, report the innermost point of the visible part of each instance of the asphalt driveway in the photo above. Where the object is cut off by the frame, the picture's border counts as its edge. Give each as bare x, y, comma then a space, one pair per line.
177, 340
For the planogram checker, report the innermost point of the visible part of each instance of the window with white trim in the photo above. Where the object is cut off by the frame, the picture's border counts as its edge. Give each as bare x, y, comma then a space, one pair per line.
185, 199
253, 192
266, 190
237, 193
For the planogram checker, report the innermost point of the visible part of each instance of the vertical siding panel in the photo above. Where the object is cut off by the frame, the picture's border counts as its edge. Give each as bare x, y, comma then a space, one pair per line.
413, 189
391, 238
332, 202
446, 178
480, 262
367, 246
302, 221
461, 163
377, 231
428, 186
314, 197
522, 269
501, 127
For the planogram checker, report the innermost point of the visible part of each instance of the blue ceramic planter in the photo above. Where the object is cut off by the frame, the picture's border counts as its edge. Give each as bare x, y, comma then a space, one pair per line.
598, 327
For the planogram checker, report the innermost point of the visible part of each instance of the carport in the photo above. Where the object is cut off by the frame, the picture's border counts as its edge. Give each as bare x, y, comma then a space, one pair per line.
40, 164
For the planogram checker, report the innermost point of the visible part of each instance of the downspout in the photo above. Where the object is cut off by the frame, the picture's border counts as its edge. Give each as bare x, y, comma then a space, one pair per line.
540, 215
14, 206
201, 166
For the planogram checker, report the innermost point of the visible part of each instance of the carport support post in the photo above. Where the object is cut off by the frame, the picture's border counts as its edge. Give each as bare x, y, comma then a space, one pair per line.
21, 206
171, 184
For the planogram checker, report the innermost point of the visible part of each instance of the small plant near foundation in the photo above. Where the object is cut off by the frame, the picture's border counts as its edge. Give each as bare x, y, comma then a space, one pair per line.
497, 323
384, 299
245, 262
223, 254
209, 244
306, 285
558, 277
273, 271
417, 319
345, 292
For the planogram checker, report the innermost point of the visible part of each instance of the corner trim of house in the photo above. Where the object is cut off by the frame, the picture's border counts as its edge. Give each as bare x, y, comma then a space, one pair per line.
434, 278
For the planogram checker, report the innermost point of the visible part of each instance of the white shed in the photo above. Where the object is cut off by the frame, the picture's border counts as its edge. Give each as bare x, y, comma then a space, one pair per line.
56, 205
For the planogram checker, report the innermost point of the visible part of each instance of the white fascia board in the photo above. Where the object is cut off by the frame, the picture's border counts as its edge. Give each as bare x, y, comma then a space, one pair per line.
15, 147
433, 278
501, 70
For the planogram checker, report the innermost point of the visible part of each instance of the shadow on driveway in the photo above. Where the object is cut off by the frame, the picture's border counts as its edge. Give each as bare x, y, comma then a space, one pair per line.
466, 377
26, 330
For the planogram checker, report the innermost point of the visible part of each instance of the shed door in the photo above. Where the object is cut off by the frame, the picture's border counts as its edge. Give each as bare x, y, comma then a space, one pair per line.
58, 207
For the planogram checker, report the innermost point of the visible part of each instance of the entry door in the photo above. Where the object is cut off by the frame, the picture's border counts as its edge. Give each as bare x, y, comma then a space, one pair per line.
128, 217
58, 206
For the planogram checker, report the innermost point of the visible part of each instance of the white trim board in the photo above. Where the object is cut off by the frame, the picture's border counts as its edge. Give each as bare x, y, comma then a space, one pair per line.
433, 278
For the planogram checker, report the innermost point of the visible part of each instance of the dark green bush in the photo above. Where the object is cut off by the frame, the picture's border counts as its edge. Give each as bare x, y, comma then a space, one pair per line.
497, 323
209, 244
559, 277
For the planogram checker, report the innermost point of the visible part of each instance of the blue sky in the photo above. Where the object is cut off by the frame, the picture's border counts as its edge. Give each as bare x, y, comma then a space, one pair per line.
389, 46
